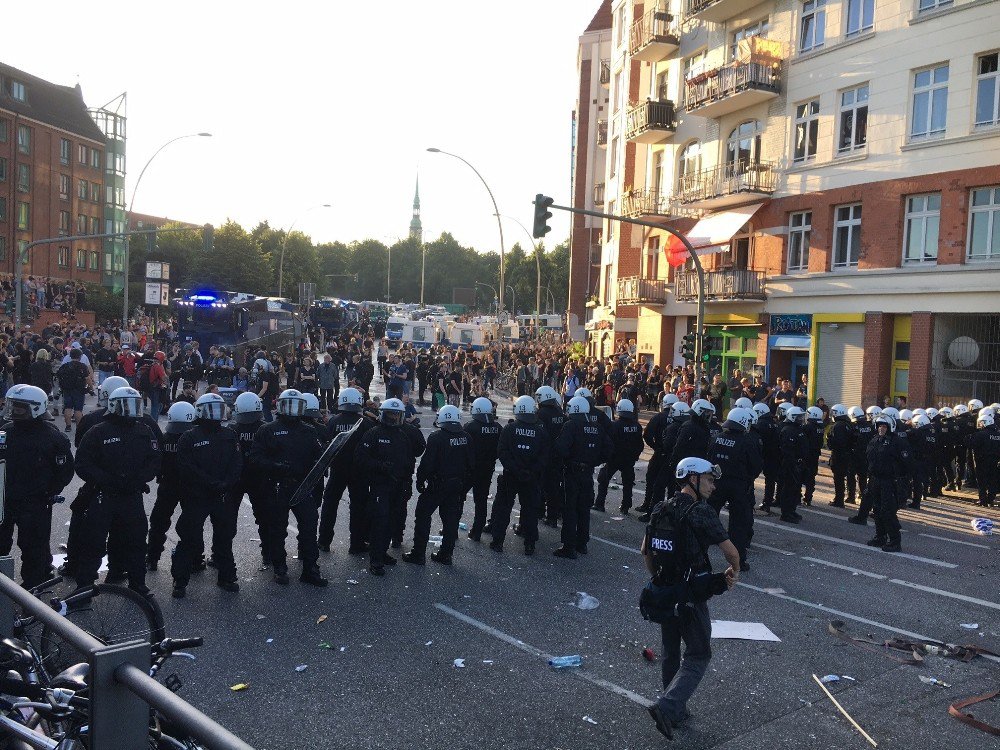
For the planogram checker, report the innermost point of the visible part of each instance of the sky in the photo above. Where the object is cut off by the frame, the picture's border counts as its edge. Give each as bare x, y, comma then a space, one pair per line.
329, 102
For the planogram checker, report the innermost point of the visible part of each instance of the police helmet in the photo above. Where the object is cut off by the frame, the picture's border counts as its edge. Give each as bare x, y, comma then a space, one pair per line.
946, 412
291, 403
669, 399
739, 418
872, 412
886, 420
584, 393
125, 402
975, 404
108, 387
921, 420
626, 409
743, 403
988, 410
210, 407
693, 467
525, 409
761, 409
856, 413
578, 406
312, 406
905, 414
814, 414
680, 409
794, 414
179, 417
703, 408
248, 408
754, 416
960, 410
918, 411
350, 399
545, 394
392, 412
449, 418
26, 402
986, 419
482, 409
783, 408
995, 406
891, 411
838, 411
932, 412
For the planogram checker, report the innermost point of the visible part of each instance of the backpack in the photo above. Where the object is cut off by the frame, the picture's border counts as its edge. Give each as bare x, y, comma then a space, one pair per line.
71, 376
144, 382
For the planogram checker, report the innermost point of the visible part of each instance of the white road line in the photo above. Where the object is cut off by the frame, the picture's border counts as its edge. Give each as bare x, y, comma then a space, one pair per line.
848, 568
615, 544
528, 648
756, 545
955, 541
949, 594
807, 509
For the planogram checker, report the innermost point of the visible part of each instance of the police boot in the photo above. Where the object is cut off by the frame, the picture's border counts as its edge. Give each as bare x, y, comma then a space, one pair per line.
179, 591
414, 558
230, 586
568, 552
858, 520
529, 548
152, 563
116, 577
312, 576
281, 576
892, 547
496, 546
199, 565
441, 557
475, 535
876, 542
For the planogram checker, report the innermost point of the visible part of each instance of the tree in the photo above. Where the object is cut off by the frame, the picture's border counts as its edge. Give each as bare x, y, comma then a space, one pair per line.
236, 263
300, 263
180, 250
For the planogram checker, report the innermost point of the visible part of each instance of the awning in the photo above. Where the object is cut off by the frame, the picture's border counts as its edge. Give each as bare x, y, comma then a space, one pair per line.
711, 234
789, 342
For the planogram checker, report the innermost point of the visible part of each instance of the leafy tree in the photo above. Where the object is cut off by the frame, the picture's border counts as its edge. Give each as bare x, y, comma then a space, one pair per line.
236, 263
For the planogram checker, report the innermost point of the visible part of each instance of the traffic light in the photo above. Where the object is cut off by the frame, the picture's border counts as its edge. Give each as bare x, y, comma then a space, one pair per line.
151, 242
542, 216
207, 237
687, 348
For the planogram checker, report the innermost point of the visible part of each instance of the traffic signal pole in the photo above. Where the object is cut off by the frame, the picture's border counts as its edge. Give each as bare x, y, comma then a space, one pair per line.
541, 203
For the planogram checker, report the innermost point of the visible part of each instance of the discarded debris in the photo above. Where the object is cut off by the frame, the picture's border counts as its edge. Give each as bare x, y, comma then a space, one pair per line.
352, 582
585, 601
933, 681
846, 715
562, 662
302, 668
589, 720
239, 686
648, 654
969, 625
326, 645
827, 679
321, 618
463, 526
459, 663
270, 640
428, 643
983, 526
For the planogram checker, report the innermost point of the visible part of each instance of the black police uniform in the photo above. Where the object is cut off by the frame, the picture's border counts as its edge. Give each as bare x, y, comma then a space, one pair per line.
888, 468
552, 418
210, 461
398, 517
485, 438
665, 483
442, 481
692, 440
652, 435
252, 484
118, 456
985, 446
767, 431
626, 437
39, 464
794, 447
523, 450
864, 430
841, 442
738, 453
963, 426
935, 460
344, 475
582, 445
169, 490
948, 433
283, 452
386, 456
920, 450
813, 431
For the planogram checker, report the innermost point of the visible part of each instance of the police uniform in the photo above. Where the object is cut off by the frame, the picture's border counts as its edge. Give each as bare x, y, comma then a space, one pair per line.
523, 450
344, 475
985, 445
442, 480
738, 454
251, 483
693, 437
841, 442
168, 496
582, 445
398, 512
39, 464
813, 431
651, 436
864, 430
888, 466
626, 437
767, 431
485, 437
665, 483
947, 434
920, 450
552, 417
794, 448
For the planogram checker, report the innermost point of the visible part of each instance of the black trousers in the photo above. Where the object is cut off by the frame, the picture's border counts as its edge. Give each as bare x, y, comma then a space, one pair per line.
809, 472
448, 503
858, 475
257, 491
552, 492
579, 489
306, 516
385, 501
32, 517
328, 398
739, 497
656, 462
482, 479
840, 467
882, 493
989, 480
121, 517
770, 485
357, 488
168, 497
527, 494
195, 509
627, 470
789, 489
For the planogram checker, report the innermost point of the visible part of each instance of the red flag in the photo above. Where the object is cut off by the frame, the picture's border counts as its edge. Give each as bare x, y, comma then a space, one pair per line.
676, 252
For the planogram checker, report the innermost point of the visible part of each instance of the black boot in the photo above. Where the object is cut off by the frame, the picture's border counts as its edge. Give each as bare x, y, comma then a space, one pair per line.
567, 552
414, 558
313, 577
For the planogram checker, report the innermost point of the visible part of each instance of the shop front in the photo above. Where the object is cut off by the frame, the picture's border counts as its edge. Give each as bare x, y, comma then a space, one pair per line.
788, 343
731, 343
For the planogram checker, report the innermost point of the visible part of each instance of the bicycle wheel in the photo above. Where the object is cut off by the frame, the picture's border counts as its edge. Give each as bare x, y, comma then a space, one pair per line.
117, 614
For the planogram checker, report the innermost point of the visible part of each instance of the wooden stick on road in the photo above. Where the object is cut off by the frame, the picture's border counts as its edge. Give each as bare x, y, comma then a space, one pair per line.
846, 715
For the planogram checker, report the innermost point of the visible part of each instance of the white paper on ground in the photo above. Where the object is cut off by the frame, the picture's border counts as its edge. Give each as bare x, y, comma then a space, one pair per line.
58, 560
743, 631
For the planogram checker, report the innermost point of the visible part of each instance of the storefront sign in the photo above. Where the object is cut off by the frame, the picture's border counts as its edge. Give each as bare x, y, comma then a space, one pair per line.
791, 325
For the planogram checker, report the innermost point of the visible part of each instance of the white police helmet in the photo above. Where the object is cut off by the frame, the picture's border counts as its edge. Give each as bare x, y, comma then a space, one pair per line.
680, 409
891, 411
932, 412
693, 466
742, 417
946, 412
975, 404
856, 413
125, 402
960, 410
392, 412
625, 408
291, 403
525, 409
669, 399
743, 403
886, 420
918, 411
578, 405
838, 410
247, 408
783, 408
703, 408
180, 416
905, 414
545, 394
312, 406
26, 402
760, 409
350, 399
872, 412
794, 414
449, 415
814, 414
108, 387
210, 407
921, 420
985, 419
584, 393
482, 409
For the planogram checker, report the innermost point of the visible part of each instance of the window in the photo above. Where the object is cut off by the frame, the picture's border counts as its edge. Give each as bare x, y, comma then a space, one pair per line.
95, 158
117, 166
988, 90
847, 236
81, 259
3, 169
926, 5
95, 260
693, 66
24, 139
743, 147
81, 190
984, 224
115, 196
81, 224
618, 92
657, 174
620, 25
860, 16
799, 231
3, 248
23, 215
64, 222
689, 163
3, 131
95, 225
95, 192
930, 102
81, 153
23, 178
853, 119
64, 186
612, 225
614, 156
812, 26
920, 239
661, 86
806, 131
3, 209
63, 257
652, 264
64, 150
755, 29
17, 90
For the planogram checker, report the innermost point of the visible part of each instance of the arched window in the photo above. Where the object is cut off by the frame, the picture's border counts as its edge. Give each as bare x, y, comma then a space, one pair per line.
689, 163
743, 146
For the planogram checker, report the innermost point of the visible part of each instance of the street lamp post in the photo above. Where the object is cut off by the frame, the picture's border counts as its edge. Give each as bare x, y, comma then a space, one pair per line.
538, 269
128, 215
496, 212
284, 244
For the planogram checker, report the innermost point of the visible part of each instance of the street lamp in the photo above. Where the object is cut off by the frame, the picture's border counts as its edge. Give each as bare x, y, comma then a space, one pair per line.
538, 269
128, 215
284, 244
513, 299
496, 212
488, 286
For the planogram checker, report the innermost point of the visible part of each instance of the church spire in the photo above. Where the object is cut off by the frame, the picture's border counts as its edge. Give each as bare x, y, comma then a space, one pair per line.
416, 229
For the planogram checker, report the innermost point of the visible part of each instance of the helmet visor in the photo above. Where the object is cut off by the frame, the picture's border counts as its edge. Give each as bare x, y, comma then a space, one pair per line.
18, 410
292, 407
391, 417
127, 407
214, 410
716, 471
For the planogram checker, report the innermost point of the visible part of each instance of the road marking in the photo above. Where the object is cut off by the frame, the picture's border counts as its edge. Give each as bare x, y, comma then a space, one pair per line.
614, 544
955, 541
848, 568
528, 648
771, 549
807, 509
949, 594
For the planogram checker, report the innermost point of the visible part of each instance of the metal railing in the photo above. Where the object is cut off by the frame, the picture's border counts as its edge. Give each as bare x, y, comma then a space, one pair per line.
602, 132
729, 80
605, 76
696, 6
742, 176
599, 194
121, 690
729, 283
654, 26
636, 203
650, 115
637, 290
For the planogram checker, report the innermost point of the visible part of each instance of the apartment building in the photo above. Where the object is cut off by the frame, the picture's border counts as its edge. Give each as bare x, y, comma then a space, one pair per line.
839, 163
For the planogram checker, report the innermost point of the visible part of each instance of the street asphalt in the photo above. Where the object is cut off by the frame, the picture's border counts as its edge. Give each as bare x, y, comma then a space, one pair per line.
381, 672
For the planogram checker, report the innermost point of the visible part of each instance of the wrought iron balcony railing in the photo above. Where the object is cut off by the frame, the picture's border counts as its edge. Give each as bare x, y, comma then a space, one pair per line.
635, 290
742, 176
650, 121
725, 284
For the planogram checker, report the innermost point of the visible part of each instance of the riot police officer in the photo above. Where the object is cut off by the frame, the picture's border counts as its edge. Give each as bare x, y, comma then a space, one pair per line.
418, 444
947, 433
813, 430
552, 417
985, 446
794, 448
626, 437
740, 457
582, 445
484, 432
888, 467
523, 450
442, 481
345, 475
386, 455
284, 451
169, 485
963, 425
39, 464
935, 480
665, 483
652, 435
841, 442
248, 418
767, 432
209, 458
118, 456
595, 415
693, 436
864, 431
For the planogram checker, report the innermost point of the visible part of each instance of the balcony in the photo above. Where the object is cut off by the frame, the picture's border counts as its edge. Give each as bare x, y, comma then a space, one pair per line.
651, 122
726, 284
754, 77
654, 37
602, 133
596, 253
728, 184
599, 194
634, 290
605, 77
717, 11
649, 204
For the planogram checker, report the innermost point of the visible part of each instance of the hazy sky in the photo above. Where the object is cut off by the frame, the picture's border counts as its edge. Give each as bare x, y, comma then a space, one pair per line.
328, 102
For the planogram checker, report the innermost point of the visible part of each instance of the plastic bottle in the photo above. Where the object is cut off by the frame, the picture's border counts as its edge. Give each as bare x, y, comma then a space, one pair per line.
562, 662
